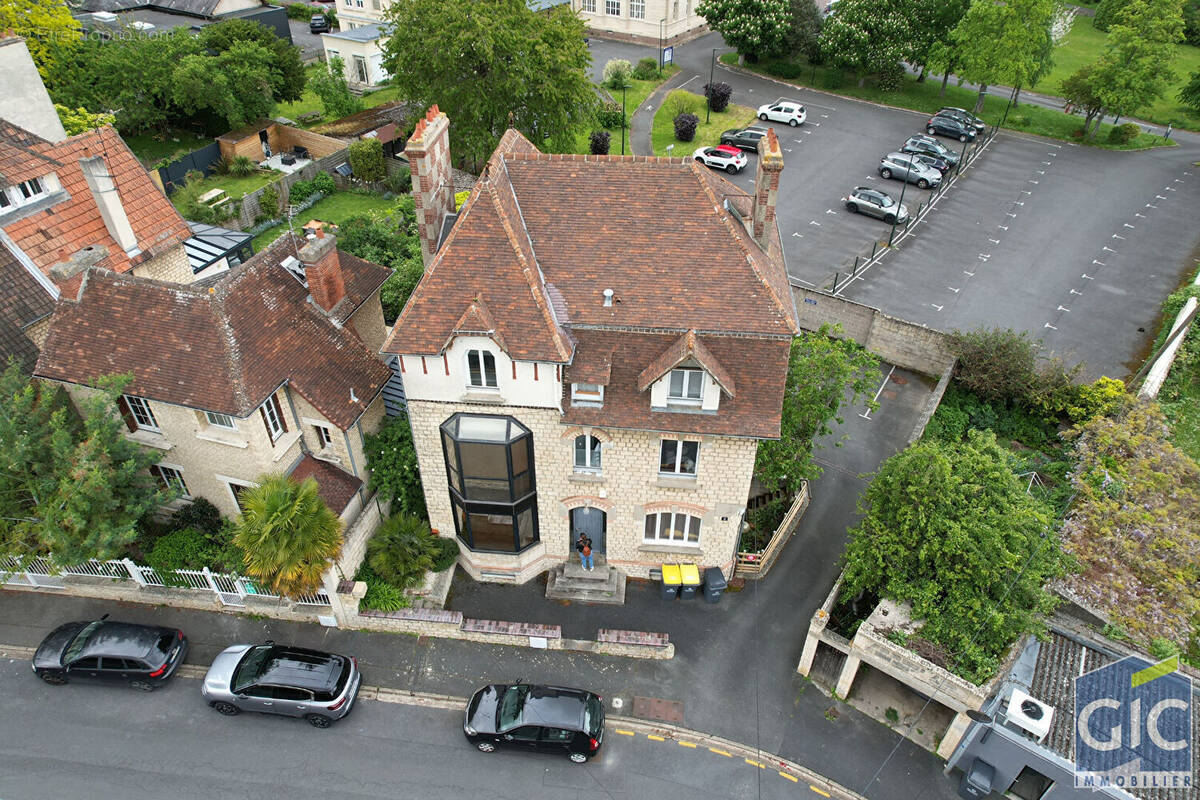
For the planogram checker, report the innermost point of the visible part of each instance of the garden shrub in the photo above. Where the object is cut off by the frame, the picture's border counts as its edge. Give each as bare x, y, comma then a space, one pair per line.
268, 203
399, 182
646, 69
300, 191
1124, 134
599, 142
401, 551
186, 548
996, 364
681, 102
366, 160
323, 182
685, 127
764, 520
788, 70
222, 166
381, 595
200, 514
610, 115
718, 95
445, 553
242, 167
833, 79
617, 73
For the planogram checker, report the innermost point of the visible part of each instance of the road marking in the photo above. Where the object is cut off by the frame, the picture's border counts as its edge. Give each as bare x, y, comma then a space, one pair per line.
1041, 172
1169, 188
1087, 277
984, 256
867, 414
754, 763
994, 241
1051, 327
689, 80
655, 738
1011, 214
1151, 205
1117, 236
801, 235
830, 211
721, 752
1159, 197
968, 274
935, 305
1076, 292
1101, 263
789, 776
951, 288
1064, 308
687, 744
1046, 163
1031, 180
814, 222
821, 792
1018, 202
1109, 249
787, 149
624, 732
824, 116
1127, 225
1143, 216
1002, 227
1026, 191
798, 141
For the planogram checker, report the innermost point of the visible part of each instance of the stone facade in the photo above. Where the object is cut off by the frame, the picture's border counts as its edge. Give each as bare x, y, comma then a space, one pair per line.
671, 22
171, 266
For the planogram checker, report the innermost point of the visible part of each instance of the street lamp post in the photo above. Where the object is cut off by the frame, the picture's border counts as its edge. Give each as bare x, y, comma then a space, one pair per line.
661, 23
623, 86
899, 208
708, 92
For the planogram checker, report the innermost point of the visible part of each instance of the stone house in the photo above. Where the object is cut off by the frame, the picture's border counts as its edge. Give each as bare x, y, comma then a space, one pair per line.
651, 22
597, 345
270, 367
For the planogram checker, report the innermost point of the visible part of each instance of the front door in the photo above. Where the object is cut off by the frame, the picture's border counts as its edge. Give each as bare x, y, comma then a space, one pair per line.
590, 521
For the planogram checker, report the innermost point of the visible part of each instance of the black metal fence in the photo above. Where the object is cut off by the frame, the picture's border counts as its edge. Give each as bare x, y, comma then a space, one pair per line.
203, 160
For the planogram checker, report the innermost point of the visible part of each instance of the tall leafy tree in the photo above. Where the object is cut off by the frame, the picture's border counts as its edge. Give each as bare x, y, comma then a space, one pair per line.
803, 34
1080, 91
823, 372
80, 120
868, 36
234, 85
70, 484
288, 535
1134, 69
932, 23
752, 27
1189, 95
395, 472
46, 25
285, 64
951, 529
485, 64
1003, 42
329, 84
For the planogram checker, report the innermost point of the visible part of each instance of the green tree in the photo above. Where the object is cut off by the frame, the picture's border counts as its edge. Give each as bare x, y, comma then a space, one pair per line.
329, 84
1080, 91
366, 160
80, 120
285, 64
821, 370
46, 25
402, 550
288, 535
932, 24
951, 529
1107, 13
390, 240
485, 64
868, 36
1134, 69
1004, 43
394, 470
235, 85
752, 27
1189, 95
803, 34
72, 485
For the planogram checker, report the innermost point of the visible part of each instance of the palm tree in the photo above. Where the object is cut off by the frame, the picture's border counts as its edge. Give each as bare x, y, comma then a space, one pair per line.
287, 534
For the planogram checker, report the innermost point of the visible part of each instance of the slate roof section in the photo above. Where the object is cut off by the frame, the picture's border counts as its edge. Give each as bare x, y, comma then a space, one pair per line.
757, 364
686, 347
335, 486
199, 8
54, 234
23, 301
224, 348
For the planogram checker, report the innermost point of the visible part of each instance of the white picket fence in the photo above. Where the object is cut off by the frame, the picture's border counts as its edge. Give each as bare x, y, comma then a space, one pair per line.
231, 590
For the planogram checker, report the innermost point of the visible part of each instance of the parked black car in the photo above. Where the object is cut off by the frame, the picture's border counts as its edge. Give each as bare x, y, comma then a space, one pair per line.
937, 162
319, 24
949, 126
929, 146
964, 116
745, 138
525, 716
143, 656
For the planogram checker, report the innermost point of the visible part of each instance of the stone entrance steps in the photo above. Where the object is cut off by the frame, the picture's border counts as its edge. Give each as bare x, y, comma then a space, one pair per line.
570, 581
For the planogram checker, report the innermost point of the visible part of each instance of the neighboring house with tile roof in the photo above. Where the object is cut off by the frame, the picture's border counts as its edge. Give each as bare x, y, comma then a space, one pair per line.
597, 345
272, 367
26, 301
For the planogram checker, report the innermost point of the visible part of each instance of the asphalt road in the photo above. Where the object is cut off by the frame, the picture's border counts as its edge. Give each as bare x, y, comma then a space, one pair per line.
77, 741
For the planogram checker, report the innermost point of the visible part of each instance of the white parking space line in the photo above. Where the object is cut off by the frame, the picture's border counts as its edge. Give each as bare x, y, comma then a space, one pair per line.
867, 414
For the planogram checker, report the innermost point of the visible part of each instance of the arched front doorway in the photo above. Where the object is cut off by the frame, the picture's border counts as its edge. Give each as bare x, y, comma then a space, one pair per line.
592, 521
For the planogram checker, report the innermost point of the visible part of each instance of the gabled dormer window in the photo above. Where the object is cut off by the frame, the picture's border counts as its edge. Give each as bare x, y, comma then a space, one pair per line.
686, 386
27, 192
481, 369
587, 394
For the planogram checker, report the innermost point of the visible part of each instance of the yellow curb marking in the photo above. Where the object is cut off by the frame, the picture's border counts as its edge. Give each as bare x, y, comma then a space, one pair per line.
720, 752
819, 791
655, 738
754, 763
624, 732
790, 777
686, 744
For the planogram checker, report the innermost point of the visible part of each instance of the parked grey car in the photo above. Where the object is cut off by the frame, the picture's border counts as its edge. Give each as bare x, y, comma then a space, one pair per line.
905, 166
921, 143
875, 203
965, 117
292, 681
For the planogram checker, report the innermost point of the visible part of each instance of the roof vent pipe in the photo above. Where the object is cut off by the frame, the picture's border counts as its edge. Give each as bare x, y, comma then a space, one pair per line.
608, 297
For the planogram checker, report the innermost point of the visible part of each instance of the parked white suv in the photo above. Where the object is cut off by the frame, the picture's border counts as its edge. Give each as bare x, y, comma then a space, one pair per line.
781, 110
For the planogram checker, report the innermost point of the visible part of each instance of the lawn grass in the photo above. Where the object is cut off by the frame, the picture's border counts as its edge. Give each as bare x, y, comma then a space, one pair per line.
337, 208
927, 96
708, 133
635, 95
1084, 44
152, 148
235, 188
310, 102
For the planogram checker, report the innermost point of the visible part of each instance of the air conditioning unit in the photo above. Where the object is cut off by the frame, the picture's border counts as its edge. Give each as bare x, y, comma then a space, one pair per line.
1029, 715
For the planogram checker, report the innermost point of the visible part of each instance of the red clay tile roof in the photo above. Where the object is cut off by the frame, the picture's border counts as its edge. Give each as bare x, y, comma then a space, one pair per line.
591, 366
683, 348
53, 235
335, 486
759, 365
477, 320
224, 348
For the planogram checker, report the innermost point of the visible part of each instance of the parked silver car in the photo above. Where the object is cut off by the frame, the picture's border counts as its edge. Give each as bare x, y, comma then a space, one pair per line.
292, 681
874, 203
905, 166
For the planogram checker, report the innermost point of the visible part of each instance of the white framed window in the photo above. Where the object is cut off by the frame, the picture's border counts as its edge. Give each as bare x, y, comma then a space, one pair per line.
323, 435
678, 457
587, 394
28, 191
218, 420
686, 386
170, 478
31, 188
672, 527
589, 6
481, 369
637, 9
137, 413
349, 3
612, 8
272, 414
675, 10
587, 453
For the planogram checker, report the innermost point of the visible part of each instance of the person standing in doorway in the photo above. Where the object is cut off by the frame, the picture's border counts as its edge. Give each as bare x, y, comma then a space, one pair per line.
584, 545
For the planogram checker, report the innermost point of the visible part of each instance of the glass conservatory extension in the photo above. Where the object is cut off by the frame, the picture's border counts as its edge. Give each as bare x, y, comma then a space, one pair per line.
489, 466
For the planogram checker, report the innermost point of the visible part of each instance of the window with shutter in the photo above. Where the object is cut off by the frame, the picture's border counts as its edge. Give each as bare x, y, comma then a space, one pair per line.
272, 414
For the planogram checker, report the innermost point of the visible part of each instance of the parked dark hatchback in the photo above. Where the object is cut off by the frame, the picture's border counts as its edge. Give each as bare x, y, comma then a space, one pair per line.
319, 24
949, 126
964, 116
745, 138
143, 656
525, 716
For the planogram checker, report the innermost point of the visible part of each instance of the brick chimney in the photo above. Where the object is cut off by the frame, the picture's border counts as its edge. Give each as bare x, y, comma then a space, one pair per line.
323, 270
428, 152
766, 187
